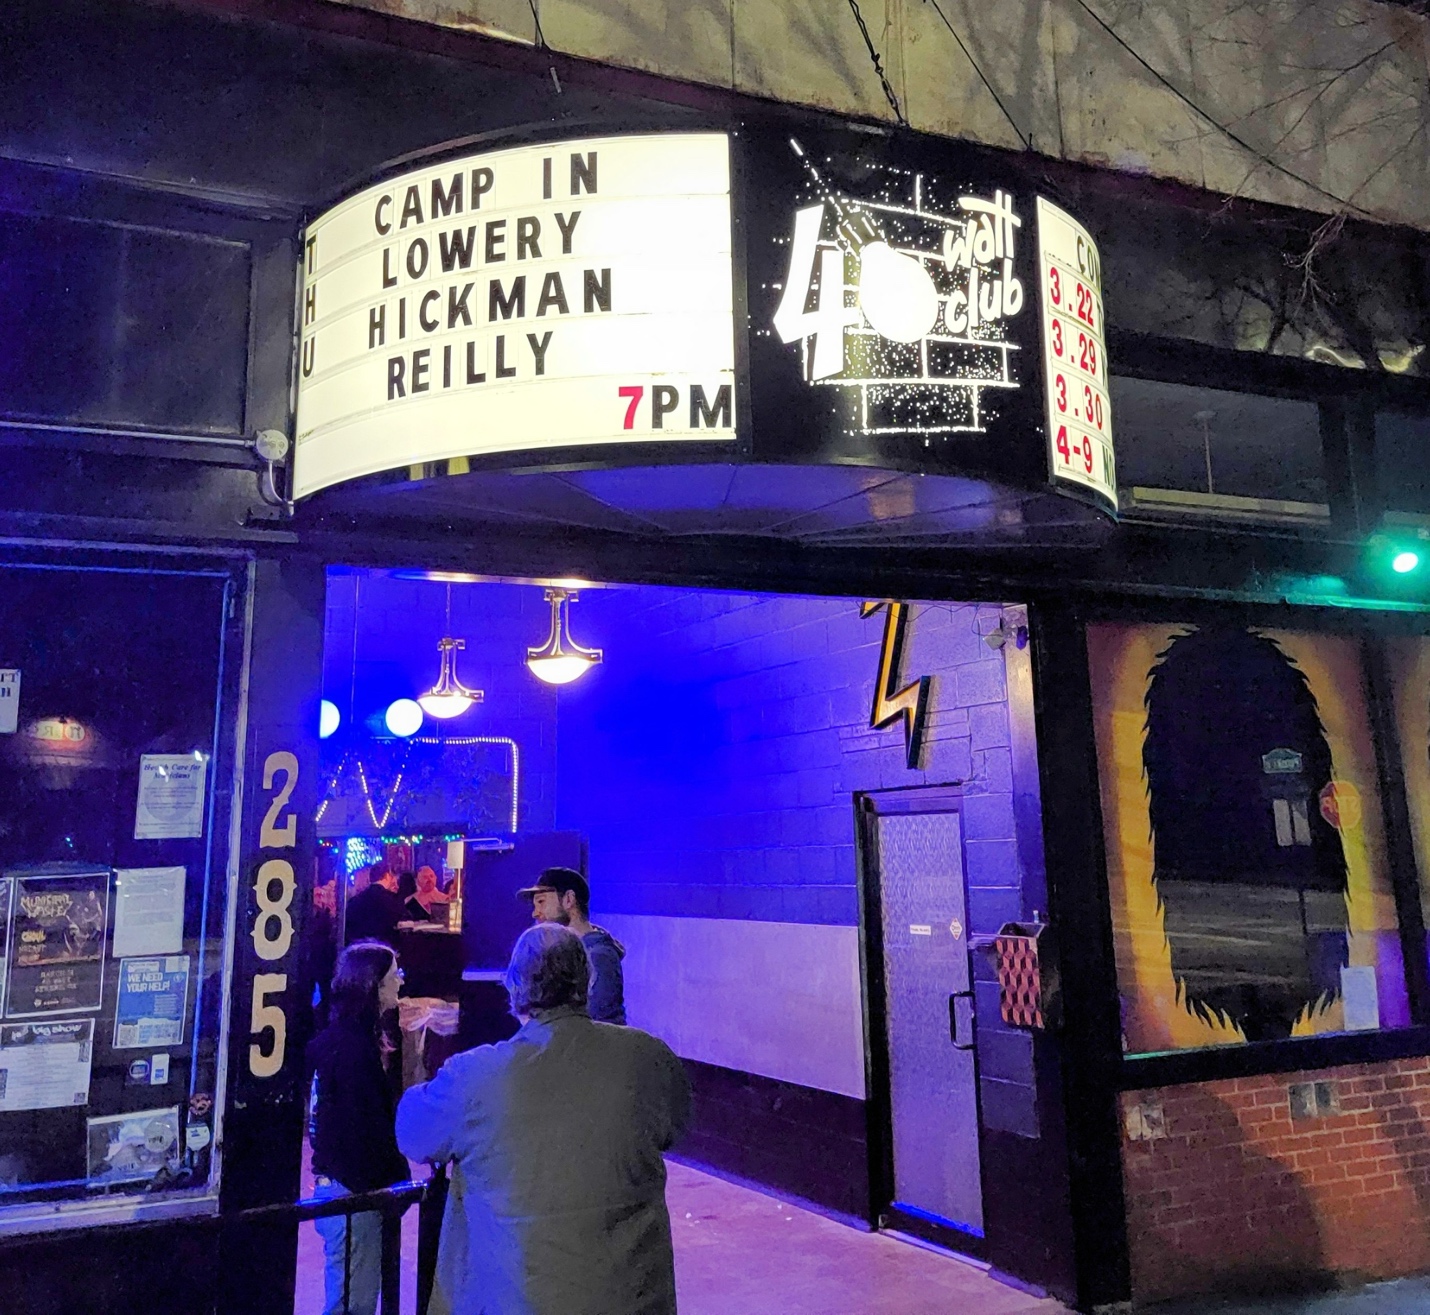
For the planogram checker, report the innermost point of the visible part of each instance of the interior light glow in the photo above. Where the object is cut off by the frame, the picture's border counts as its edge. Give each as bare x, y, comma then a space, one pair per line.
403, 717
443, 706
329, 719
559, 670
449, 697
561, 659
1404, 562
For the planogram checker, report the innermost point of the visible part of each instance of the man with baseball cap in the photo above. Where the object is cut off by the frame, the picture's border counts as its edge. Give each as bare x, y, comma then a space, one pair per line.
561, 895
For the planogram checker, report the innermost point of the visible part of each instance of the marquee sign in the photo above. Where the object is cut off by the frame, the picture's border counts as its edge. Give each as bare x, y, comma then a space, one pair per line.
548, 296
937, 316
907, 305
1075, 355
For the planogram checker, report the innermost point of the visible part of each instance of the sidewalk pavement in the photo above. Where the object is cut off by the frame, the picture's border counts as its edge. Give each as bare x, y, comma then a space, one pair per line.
741, 1252
1401, 1297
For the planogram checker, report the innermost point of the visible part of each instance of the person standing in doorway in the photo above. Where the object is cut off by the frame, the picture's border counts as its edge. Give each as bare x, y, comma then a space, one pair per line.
557, 1204
562, 896
351, 1122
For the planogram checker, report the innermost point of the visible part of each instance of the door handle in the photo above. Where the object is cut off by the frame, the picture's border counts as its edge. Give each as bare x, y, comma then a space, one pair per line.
961, 1025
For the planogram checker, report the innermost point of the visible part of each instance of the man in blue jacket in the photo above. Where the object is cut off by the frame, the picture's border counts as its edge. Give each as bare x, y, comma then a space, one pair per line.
561, 895
557, 1198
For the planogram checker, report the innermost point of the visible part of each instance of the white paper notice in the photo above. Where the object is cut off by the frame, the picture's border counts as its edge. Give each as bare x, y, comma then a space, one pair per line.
171, 796
9, 700
148, 912
1362, 1001
45, 1066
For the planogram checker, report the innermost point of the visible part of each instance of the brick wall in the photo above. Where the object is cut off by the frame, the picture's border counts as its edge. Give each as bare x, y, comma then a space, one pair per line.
1230, 1189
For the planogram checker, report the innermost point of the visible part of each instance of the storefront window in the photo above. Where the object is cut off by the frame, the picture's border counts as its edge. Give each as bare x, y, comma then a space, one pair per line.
1410, 682
1216, 446
1402, 451
115, 768
1246, 854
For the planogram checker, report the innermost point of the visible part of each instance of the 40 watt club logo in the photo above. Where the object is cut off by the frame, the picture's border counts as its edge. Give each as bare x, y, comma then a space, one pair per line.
904, 298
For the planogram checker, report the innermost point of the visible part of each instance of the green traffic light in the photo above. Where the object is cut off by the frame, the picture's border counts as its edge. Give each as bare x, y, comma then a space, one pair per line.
1404, 562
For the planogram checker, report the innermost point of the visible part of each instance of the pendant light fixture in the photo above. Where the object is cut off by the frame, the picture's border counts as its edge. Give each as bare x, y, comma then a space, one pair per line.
561, 659
449, 697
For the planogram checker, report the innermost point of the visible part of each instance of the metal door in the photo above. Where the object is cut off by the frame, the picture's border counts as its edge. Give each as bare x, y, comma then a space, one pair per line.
933, 1173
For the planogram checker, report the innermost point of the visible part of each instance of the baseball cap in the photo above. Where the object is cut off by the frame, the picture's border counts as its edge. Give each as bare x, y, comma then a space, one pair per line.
560, 880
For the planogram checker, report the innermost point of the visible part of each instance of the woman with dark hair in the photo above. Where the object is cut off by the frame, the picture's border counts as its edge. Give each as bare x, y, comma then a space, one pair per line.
351, 1129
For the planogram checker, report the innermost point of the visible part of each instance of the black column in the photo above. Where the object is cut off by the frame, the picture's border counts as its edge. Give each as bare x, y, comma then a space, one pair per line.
1089, 1045
271, 1002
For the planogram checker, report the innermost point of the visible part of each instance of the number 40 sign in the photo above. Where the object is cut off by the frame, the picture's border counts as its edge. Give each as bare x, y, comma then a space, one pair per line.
1075, 357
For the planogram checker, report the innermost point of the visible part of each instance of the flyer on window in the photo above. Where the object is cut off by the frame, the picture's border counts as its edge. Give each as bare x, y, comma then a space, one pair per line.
150, 1008
129, 1148
148, 912
45, 1065
57, 931
170, 805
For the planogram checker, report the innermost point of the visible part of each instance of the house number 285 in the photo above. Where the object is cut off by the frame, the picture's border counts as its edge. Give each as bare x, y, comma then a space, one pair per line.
274, 886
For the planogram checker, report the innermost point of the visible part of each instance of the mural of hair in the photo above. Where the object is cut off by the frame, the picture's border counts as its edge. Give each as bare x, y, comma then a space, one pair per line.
1250, 876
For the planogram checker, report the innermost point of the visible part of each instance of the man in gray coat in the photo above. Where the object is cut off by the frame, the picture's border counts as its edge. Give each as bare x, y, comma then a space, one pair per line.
557, 1200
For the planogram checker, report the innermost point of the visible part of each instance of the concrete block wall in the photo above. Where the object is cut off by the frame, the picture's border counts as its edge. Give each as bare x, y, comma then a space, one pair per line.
712, 762
1233, 1191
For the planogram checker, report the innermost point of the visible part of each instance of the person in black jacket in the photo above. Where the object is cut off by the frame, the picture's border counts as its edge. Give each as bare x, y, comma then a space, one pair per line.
373, 914
351, 1128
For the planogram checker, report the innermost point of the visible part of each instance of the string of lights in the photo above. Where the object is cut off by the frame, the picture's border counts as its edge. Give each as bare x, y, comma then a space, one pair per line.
444, 741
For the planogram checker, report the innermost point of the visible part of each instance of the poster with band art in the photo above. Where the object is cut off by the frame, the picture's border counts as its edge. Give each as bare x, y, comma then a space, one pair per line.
58, 925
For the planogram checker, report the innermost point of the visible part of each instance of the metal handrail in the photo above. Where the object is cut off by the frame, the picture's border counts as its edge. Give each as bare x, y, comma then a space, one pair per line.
384, 1200
391, 1203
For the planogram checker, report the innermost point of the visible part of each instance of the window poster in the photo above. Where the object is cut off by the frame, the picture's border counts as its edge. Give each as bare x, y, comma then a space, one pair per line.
1246, 854
57, 933
150, 1008
6, 885
131, 1148
148, 911
170, 805
1410, 683
45, 1065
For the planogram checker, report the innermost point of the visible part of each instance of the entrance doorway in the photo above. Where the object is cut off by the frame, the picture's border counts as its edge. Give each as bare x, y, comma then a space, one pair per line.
926, 1177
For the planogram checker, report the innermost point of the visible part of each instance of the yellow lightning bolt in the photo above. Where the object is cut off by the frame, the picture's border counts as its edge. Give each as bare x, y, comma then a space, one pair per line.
911, 702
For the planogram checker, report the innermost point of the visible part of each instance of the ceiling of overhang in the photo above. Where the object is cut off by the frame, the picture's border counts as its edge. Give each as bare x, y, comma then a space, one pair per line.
835, 505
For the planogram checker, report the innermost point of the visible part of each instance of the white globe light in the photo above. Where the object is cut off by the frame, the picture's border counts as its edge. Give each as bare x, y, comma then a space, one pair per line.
896, 294
329, 719
403, 717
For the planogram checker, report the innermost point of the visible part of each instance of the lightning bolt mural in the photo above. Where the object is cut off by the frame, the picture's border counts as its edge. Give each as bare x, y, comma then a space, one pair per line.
911, 702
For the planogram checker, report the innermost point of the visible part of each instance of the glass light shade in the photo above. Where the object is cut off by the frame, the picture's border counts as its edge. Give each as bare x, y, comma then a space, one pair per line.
561, 659
560, 670
443, 706
1405, 562
449, 697
403, 718
329, 718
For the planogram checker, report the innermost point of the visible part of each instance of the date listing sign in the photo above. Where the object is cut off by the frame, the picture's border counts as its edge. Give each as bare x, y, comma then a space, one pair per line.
1080, 449
547, 296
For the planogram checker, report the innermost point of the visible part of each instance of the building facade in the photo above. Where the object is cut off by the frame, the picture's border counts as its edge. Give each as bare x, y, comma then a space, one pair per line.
1168, 721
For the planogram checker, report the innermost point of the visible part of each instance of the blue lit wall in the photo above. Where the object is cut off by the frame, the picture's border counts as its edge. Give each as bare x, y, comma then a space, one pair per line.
381, 644
711, 762
713, 758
